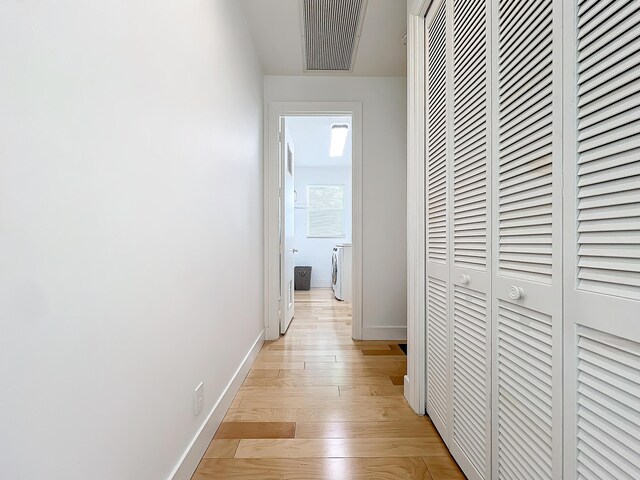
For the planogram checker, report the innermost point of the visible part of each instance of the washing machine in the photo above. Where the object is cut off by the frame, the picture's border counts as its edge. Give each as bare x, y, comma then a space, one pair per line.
341, 271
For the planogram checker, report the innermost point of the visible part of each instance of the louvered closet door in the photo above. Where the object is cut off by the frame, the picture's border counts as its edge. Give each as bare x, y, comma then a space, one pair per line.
527, 224
602, 260
437, 222
470, 262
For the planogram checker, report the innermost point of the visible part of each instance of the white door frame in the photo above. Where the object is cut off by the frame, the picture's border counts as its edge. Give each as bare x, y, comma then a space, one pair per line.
415, 389
275, 111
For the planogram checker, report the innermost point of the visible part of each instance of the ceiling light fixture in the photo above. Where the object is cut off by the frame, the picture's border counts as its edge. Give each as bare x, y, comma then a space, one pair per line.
338, 139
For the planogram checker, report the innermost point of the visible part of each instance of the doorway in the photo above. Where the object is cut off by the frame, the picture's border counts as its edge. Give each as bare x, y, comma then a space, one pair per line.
313, 201
316, 212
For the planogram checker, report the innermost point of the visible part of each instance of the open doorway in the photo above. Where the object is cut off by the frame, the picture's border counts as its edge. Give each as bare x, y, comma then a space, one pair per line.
321, 191
316, 213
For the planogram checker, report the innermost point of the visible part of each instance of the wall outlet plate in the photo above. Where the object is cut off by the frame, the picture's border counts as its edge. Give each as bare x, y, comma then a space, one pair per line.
198, 399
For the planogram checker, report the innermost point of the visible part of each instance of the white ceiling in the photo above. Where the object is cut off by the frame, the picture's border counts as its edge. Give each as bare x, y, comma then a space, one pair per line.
312, 138
275, 26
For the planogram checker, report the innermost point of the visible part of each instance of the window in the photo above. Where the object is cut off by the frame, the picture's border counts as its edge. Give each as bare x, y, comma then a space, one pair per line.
325, 217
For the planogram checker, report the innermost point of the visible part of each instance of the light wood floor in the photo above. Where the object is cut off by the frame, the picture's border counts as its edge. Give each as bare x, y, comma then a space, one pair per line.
318, 405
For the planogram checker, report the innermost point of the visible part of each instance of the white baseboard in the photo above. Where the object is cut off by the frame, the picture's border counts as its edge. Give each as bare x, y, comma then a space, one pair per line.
189, 462
407, 388
384, 333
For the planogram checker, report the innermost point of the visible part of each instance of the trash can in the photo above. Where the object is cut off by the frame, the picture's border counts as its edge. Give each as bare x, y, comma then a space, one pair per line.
302, 278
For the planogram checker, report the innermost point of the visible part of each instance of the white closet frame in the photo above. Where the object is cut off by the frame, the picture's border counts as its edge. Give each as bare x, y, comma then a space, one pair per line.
415, 380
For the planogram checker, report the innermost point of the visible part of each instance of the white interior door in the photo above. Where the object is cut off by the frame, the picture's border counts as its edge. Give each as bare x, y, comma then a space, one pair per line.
602, 254
527, 226
287, 249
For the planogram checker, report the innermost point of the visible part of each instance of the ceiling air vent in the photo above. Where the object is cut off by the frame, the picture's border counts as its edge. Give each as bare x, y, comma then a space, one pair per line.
331, 33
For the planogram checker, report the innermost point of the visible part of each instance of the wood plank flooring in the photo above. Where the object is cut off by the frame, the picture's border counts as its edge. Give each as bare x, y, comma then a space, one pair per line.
319, 405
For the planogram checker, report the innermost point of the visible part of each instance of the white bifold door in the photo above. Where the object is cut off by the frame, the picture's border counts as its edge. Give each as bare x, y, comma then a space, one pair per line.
533, 236
438, 394
527, 227
602, 240
458, 251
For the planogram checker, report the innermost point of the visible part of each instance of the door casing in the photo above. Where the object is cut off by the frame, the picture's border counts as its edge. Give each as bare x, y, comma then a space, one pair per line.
272, 205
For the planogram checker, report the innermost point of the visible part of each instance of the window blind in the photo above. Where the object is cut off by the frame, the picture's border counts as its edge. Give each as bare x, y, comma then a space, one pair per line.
325, 217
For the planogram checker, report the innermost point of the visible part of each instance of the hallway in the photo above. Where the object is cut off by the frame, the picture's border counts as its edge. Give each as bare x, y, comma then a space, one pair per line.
317, 404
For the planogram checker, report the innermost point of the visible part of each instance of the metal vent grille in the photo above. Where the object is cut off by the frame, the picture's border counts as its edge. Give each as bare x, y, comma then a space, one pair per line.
331, 32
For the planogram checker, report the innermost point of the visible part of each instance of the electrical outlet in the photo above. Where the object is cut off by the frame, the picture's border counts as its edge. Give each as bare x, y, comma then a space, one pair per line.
198, 399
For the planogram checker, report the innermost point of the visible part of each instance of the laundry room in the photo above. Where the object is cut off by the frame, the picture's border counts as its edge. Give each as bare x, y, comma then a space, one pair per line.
322, 174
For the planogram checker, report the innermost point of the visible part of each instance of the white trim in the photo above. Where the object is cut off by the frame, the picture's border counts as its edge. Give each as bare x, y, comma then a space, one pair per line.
493, 144
415, 386
406, 384
569, 253
198, 445
385, 333
271, 205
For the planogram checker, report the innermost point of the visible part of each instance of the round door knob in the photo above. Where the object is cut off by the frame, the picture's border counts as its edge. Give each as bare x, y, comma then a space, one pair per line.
465, 279
516, 293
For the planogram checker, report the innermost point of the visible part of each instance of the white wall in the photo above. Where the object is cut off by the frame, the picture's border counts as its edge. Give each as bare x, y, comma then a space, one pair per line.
130, 229
384, 181
316, 252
